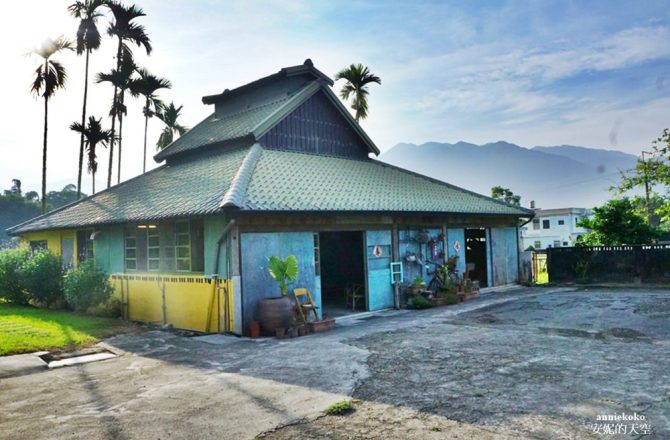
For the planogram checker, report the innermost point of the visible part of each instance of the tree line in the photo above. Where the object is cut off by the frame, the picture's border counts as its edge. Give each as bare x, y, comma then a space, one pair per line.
125, 77
129, 79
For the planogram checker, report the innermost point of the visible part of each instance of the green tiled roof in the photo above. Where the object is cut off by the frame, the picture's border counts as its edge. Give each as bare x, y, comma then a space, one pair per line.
289, 181
214, 130
194, 187
256, 179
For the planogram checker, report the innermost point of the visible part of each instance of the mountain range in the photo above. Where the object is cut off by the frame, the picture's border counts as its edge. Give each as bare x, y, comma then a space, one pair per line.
554, 177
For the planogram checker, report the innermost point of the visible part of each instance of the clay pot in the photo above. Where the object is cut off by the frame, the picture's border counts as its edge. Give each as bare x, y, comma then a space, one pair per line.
302, 330
274, 313
280, 332
254, 329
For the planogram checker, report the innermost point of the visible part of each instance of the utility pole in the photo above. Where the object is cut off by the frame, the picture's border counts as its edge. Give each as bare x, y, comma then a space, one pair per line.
646, 185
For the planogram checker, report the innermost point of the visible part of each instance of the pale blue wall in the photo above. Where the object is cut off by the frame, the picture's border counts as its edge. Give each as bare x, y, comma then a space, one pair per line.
407, 242
110, 248
452, 236
505, 256
256, 248
214, 227
380, 289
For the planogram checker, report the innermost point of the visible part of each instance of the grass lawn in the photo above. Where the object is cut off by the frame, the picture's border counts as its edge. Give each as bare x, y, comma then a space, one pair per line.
28, 329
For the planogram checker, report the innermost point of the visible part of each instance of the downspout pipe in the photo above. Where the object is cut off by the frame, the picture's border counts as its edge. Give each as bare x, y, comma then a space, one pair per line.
215, 275
220, 241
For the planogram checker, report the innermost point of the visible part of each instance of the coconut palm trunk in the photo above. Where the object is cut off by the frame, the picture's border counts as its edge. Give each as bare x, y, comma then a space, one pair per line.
146, 126
118, 174
111, 143
83, 121
44, 154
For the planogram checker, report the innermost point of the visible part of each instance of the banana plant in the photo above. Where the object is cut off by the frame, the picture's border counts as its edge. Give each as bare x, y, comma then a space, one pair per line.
283, 271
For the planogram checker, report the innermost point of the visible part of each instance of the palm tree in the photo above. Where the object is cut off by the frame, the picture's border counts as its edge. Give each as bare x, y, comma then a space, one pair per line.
88, 40
357, 77
94, 135
169, 115
126, 31
50, 76
121, 80
147, 85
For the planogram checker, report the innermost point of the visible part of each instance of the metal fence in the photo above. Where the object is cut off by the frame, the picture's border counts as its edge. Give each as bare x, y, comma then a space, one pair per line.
610, 264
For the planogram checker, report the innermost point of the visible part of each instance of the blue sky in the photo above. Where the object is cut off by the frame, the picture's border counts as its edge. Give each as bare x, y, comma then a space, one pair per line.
533, 73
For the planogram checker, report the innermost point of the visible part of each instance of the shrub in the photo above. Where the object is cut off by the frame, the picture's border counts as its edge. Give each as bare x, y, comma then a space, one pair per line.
11, 288
450, 297
420, 302
41, 276
87, 287
111, 308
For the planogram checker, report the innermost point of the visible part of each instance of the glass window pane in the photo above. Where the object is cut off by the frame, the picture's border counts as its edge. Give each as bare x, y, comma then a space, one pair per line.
183, 240
183, 252
182, 227
154, 264
131, 264
183, 265
154, 240
130, 253
154, 253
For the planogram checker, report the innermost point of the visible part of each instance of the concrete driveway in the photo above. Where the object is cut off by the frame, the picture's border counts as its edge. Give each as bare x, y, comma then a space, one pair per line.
528, 362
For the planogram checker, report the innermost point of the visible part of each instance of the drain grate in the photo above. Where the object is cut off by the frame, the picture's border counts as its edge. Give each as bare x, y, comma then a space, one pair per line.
58, 360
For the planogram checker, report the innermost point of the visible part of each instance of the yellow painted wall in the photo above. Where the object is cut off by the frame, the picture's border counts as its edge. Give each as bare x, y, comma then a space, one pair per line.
54, 240
189, 300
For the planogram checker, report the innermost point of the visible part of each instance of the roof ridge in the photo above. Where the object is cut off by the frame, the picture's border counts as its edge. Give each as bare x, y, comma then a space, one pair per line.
160, 155
236, 194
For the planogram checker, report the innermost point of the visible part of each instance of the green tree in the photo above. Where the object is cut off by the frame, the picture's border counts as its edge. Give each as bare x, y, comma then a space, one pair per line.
506, 195
50, 76
147, 85
169, 115
94, 135
125, 30
616, 223
88, 40
67, 195
357, 78
120, 80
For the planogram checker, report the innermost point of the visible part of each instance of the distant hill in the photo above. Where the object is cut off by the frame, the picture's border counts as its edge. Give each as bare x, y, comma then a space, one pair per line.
554, 177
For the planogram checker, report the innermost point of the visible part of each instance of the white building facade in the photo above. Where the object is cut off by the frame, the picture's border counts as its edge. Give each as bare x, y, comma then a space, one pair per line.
554, 228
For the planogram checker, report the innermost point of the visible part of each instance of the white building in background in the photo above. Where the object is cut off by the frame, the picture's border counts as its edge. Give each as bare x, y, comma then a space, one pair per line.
554, 228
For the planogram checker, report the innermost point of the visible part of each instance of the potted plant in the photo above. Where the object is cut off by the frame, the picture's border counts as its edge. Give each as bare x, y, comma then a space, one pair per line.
417, 285
277, 312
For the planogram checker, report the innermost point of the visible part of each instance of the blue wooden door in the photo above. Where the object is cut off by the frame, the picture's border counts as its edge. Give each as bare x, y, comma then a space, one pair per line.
504, 256
378, 257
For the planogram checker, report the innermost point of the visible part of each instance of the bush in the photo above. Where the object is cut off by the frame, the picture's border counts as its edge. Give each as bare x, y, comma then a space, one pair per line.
450, 297
42, 278
11, 288
420, 302
87, 287
112, 308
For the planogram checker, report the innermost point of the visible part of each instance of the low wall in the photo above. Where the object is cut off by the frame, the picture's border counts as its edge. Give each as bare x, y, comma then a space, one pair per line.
648, 264
186, 302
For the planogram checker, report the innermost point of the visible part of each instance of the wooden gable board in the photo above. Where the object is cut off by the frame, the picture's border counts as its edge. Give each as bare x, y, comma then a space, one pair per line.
316, 127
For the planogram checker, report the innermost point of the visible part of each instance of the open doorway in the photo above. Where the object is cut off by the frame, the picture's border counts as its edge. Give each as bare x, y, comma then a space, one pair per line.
342, 273
475, 255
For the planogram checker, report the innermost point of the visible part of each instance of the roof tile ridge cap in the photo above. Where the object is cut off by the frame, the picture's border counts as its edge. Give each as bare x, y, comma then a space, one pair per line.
306, 90
236, 194
169, 147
